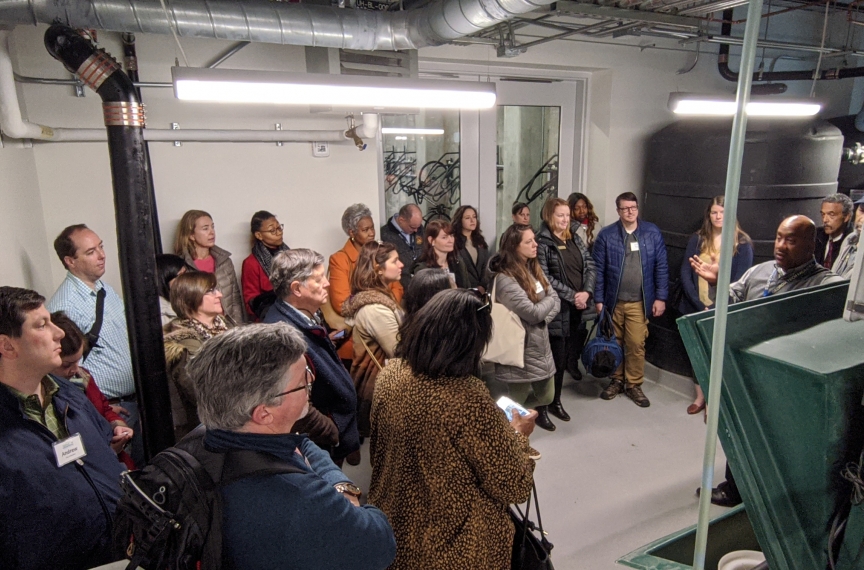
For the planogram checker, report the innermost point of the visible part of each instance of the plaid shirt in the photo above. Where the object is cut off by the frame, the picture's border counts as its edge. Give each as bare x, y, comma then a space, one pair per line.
111, 361
42, 412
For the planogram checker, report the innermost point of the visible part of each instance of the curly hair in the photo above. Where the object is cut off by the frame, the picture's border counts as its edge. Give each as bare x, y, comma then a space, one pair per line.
592, 217
352, 216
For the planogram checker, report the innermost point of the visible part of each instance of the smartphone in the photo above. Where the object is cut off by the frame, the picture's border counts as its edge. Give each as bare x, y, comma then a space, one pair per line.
509, 406
339, 335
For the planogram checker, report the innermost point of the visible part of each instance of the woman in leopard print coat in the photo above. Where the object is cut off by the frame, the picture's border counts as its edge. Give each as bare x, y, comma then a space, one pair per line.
445, 461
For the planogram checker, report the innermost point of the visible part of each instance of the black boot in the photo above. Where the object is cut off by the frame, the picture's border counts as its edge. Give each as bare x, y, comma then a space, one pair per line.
543, 420
557, 410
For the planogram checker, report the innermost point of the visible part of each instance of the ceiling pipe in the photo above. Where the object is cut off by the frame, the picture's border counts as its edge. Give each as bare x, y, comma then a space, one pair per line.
436, 23
14, 126
804, 75
124, 123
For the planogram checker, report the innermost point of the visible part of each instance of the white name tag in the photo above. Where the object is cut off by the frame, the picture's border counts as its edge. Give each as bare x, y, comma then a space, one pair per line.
69, 449
634, 246
538, 288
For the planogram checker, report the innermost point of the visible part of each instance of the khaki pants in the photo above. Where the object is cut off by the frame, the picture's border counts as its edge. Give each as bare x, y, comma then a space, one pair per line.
631, 330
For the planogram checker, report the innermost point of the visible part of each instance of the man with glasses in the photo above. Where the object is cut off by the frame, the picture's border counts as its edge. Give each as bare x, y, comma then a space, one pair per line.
405, 232
836, 213
253, 384
300, 282
98, 311
632, 284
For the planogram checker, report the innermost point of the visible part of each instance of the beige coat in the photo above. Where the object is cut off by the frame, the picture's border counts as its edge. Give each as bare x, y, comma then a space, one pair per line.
445, 466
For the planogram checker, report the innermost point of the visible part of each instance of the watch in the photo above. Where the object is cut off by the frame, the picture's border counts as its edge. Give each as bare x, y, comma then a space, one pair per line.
348, 489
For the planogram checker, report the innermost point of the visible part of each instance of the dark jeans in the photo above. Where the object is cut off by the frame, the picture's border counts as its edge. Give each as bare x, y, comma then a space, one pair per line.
567, 350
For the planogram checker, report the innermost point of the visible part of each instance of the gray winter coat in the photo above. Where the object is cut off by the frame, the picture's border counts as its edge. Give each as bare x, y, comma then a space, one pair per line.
535, 318
226, 281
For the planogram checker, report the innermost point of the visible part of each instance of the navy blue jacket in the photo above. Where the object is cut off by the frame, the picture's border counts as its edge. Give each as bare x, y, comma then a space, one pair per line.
54, 517
609, 258
333, 393
690, 303
297, 520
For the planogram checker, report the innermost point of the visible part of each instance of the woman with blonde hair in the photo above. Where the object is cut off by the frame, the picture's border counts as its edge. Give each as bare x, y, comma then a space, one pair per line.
570, 269
700, 286
521, 286
195, 242
375, 315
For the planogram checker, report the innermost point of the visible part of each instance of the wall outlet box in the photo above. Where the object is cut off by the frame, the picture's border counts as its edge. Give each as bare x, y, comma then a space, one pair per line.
320, 149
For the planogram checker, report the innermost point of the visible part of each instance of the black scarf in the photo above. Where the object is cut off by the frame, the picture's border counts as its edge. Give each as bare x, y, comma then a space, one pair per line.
264, 255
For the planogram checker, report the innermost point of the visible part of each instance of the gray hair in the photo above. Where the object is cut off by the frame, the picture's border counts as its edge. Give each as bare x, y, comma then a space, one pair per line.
843, 199
352, 216
241, 369
292, 265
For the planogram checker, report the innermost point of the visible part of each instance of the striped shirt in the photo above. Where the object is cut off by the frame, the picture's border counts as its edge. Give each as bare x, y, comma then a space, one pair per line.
111, 361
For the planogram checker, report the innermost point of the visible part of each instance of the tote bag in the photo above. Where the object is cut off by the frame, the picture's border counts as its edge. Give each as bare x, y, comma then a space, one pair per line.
507, 345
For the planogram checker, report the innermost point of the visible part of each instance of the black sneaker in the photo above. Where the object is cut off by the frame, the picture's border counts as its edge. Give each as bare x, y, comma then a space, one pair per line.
613, 389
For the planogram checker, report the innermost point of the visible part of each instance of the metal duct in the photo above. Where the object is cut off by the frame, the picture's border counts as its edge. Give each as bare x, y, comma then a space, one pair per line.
436, 23
124, 122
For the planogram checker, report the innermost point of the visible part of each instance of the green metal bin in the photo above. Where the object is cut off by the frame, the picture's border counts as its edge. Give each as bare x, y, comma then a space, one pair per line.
790, 413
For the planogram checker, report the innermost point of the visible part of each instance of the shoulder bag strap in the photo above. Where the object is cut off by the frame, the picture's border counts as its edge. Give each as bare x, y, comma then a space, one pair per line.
93, 334
369, 352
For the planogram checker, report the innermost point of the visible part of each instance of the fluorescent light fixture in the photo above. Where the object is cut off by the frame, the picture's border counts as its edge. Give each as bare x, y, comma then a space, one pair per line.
410, 131
705, 105
242, 86
401, 138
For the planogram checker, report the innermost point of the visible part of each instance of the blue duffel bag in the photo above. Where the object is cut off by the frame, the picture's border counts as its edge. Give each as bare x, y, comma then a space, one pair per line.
602, 354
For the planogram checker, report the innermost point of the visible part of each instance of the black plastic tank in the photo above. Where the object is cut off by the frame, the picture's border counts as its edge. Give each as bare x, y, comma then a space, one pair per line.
788, 167
851, 175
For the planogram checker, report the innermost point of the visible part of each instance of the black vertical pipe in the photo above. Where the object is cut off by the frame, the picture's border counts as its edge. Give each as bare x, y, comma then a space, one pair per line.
130, 59
124, 121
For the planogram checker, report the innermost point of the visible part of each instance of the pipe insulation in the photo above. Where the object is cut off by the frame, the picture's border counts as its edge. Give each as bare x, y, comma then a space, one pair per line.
14, 126
438, 22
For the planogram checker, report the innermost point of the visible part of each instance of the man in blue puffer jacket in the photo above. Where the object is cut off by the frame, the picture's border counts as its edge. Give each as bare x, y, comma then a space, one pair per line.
59, 479
632, 279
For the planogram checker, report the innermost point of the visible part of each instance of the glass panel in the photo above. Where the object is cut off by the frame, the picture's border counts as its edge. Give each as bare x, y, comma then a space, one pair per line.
527, 159
422, 169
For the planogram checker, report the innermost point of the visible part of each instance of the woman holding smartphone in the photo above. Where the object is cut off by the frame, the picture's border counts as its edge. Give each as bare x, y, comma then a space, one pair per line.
375, 315
521, 286
446, 463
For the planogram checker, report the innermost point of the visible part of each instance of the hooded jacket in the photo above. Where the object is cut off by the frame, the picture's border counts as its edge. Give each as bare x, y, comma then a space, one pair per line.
549, 257
376, 319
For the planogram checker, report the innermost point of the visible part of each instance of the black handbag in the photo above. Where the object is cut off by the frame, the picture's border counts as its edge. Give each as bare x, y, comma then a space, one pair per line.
529, 551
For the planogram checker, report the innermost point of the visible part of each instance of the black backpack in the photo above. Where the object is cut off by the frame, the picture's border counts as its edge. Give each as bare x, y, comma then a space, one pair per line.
170, 514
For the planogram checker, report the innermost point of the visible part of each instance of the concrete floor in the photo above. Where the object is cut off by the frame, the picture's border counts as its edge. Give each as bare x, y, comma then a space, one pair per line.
617, 476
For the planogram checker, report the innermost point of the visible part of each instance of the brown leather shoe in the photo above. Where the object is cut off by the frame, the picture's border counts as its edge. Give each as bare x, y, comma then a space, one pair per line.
613, 389
635, 393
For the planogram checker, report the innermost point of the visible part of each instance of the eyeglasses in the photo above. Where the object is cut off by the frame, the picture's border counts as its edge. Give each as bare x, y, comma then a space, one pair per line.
274, 231
629, 209
485, 297
309, 380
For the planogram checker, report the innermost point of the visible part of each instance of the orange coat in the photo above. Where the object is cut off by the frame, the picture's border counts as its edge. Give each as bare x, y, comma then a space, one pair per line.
342, 264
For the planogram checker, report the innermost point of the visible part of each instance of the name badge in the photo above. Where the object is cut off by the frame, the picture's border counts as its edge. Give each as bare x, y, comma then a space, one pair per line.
562, 247
69, 450
538, 288
634, 246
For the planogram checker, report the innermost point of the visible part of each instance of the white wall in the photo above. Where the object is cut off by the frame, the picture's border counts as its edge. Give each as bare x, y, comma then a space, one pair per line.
25, 257
630, 81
